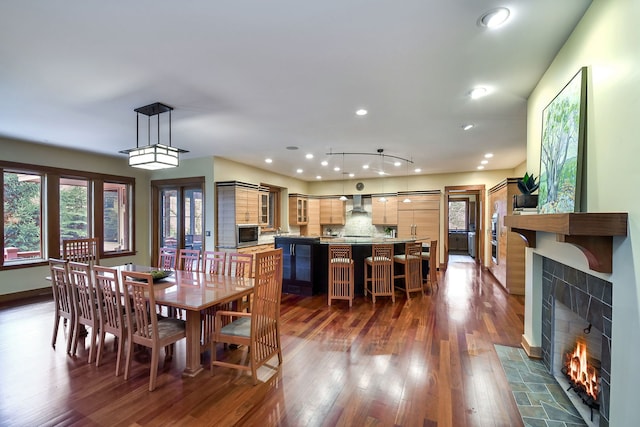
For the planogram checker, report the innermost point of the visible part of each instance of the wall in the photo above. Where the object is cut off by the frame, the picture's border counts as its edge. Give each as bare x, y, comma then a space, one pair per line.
30, 278
606, 41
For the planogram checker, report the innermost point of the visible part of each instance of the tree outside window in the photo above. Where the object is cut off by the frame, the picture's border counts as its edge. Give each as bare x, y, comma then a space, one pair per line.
458, 210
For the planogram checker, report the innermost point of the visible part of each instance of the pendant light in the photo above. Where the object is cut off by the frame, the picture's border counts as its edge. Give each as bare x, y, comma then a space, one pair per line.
343, 198
407, 199
381, 151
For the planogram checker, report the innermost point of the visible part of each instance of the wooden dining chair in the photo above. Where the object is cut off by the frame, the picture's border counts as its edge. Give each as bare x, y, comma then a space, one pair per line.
341, 281
62, 299
81, 250
240, 265
167, 259
144, 326
260, 329
411, 261
214, 262
111, 311
432, 258
380, 281
188, 260
84, 304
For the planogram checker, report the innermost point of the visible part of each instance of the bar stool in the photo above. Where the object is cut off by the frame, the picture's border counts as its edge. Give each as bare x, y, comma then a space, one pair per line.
340, 273
432, 276
381, 263
412, 262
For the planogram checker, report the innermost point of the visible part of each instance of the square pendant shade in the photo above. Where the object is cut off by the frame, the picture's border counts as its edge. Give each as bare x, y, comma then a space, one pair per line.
153, 156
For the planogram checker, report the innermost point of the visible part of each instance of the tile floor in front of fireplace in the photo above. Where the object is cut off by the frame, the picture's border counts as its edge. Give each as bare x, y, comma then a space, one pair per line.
540, 399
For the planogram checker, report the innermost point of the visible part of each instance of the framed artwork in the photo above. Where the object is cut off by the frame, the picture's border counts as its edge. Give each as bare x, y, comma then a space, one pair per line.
563, 139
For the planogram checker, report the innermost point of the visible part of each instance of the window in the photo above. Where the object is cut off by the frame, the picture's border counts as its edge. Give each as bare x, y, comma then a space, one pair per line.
22, 217
43, 206
458, 214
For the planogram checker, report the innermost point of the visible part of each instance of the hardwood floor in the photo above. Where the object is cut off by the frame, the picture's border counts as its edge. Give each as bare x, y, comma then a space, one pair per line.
429, 361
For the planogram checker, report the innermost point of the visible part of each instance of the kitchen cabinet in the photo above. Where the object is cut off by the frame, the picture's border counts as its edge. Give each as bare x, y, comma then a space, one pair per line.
246, 198
263, 208
236, 203
508, 266
332, 211
419, 219
384, 213
313, 224
253, 250
458, 242
298, 209
297, 264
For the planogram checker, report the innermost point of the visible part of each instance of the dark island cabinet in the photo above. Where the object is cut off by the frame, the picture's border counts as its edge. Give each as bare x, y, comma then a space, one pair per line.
298, 264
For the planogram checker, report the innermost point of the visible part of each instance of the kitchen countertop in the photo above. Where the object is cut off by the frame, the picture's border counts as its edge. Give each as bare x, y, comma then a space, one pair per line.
327, 240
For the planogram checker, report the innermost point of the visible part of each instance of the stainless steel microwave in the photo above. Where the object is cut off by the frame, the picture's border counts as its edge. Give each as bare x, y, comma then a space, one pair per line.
247, 235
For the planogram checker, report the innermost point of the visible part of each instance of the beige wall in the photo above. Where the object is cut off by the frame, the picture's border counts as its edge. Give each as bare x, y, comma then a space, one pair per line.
606, 41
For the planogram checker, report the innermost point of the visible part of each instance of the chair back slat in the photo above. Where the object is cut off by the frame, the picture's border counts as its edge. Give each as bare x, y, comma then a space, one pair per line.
188, 260
81, 250
167, 259
139, 298
107, 285
83, 293
60, 286
239, 265
213, 262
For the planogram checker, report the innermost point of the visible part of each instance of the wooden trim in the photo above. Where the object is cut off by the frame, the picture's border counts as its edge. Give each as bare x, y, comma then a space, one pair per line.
592, 233
532, 352
70, 173
25, 295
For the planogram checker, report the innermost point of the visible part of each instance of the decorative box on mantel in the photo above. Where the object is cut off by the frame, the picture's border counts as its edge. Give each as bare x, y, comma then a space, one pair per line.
592, 233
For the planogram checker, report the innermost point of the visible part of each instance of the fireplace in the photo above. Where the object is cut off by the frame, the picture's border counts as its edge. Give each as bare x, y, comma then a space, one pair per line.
576, 308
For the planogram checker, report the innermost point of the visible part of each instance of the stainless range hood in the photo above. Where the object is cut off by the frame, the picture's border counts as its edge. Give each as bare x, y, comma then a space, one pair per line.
358, 206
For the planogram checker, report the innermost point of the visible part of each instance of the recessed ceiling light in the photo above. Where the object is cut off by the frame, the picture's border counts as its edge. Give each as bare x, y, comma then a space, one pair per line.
361, 112
381, 173
478, 92
494, 17
309, 156
324, 163
484, 162
467, 127
318, 177
365, 166
351, 175
488, 155
337, 169
268, 160
292, 147
299, 170
397, 163
417, 170
480, 167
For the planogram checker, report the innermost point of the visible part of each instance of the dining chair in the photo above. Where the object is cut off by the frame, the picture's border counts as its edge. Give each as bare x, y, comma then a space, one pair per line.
341, 281
62, 299
81, 250
260, 329
111, 311
167, 258
411, 261
380, 282
214, 262
144, 326
84, 304
432, 258
188, 260
240, 265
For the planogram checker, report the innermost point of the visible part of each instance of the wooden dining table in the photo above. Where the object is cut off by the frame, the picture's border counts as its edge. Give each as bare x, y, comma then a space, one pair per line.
193, 292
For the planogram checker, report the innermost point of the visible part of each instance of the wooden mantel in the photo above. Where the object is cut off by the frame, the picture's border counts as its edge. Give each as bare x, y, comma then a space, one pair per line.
592, 233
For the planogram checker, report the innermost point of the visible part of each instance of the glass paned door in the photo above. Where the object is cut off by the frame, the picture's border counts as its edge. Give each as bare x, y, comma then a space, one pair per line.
169, 218
193, 206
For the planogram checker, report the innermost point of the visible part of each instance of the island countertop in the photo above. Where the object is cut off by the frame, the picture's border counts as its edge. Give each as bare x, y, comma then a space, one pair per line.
352, 240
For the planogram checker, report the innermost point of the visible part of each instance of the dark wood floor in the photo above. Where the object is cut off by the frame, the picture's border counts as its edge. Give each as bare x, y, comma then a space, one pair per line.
429, 361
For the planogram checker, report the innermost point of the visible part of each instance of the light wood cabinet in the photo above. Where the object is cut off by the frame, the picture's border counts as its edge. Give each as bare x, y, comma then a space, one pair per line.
263, 208
384, 213
508, 266
332, 211
247, 211
313, 223
236, 203
419, 219
253, 250
298, 209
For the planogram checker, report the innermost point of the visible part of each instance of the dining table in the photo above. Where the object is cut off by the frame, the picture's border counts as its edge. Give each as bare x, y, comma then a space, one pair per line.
194, 291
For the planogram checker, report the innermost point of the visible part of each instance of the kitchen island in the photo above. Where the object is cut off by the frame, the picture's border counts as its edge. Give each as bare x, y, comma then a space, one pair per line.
306, 260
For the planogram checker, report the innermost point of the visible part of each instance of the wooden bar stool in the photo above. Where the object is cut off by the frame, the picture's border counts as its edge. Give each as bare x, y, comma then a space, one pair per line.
432, 258
340, 273
381, 264
412, 262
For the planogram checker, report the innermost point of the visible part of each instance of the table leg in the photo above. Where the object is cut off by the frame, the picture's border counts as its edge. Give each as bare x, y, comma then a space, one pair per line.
193, 366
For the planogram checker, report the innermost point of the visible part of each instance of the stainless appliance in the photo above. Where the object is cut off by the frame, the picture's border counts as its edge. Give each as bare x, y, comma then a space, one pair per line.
494, 237
247, 235
471, 236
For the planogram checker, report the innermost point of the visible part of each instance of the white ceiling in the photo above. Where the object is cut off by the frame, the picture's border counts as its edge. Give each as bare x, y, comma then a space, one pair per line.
247, 78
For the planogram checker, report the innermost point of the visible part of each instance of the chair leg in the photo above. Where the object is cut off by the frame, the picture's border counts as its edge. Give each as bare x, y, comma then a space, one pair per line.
92, 344
120, 354
153, 374
127, 365
56, 323
101, 338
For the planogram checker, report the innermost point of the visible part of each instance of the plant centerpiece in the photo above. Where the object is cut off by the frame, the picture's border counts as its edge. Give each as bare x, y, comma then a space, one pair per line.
527, 185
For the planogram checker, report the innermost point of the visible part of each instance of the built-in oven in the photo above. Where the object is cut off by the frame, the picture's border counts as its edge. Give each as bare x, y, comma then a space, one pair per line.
494, 237
247, 235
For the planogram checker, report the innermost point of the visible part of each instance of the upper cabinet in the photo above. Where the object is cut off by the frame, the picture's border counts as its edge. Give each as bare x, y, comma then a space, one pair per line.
419, 218
247, 211
384, 212
237, 203
263, 208
298, 209
332, 211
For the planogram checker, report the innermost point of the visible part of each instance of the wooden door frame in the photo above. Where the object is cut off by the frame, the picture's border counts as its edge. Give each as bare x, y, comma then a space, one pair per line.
461, 190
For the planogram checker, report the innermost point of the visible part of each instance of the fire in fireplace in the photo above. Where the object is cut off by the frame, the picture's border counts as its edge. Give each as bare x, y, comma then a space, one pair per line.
583, 374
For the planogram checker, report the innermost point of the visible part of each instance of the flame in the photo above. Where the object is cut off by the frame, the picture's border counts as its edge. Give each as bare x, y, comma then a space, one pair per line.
580, 372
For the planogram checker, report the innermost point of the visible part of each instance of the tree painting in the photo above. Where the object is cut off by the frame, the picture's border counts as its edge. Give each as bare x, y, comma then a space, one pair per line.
560, 156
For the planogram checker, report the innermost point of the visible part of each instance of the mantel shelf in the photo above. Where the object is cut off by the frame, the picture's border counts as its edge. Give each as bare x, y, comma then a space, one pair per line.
592, 233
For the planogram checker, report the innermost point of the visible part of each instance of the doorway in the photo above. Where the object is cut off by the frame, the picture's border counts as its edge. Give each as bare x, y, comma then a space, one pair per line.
464, 224
177, 214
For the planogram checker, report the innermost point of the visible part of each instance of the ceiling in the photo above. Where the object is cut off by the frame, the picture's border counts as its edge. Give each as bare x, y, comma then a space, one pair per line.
249, 78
